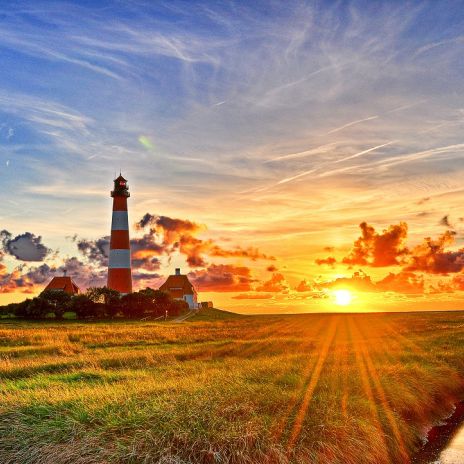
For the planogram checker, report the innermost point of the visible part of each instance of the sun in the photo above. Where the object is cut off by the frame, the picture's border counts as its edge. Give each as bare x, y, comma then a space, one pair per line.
343, 297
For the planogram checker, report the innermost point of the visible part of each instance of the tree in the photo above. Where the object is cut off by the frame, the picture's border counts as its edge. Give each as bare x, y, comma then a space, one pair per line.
163, 302
134, 305
83, 306
38, 308
111, 299
57, 300
178, 307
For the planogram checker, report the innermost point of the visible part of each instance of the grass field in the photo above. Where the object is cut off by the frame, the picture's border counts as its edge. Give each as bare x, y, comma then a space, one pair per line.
227, 388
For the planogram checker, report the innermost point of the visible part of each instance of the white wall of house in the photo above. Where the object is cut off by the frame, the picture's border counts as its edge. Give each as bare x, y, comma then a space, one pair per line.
191, 300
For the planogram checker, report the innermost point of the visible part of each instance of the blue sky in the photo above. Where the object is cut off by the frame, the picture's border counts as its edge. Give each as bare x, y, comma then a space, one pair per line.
269, 122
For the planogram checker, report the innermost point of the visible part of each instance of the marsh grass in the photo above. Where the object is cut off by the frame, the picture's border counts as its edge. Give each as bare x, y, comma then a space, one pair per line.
271, 389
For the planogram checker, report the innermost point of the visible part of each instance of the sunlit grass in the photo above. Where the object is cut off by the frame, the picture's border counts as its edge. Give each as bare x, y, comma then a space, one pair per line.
313, 389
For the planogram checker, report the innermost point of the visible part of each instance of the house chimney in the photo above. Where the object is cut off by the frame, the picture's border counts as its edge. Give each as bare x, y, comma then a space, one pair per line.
65, 273
177, 271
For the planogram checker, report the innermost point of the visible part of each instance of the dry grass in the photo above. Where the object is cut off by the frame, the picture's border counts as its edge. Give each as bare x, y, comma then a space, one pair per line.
291, 389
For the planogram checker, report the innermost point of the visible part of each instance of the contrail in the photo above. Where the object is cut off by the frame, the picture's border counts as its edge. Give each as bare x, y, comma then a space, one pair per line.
420, 154
288, 179
356, 155
363, 152
351, 124
301, 154
405, 107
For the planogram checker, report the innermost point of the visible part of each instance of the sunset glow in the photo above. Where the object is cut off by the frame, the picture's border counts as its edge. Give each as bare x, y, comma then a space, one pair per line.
262, 157
342, 297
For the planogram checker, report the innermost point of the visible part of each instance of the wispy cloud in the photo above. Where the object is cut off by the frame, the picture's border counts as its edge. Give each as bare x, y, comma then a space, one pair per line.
353, 123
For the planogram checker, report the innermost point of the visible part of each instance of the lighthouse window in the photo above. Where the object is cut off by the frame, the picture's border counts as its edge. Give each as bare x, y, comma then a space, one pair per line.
122, 184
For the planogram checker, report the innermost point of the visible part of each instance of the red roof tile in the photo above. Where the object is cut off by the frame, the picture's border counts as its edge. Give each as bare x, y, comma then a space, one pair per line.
178, 286
63, 283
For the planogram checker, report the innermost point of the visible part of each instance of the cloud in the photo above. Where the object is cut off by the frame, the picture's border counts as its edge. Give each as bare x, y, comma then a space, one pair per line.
431, 256
167, 235
252, 296
148, 263
84, 274
379, 249
304, 286
329, 261
276, 284
402, 282
168, 226
444, 221
458, 282
24, 279
24, 247
222, 278
359, 281
271, 268
96, 251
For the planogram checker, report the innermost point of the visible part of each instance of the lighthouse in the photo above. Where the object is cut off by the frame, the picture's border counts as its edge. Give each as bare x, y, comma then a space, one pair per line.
119, 267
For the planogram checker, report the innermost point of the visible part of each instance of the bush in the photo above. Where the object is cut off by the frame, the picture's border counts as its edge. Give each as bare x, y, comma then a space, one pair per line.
57, 301
83, 306
99, 303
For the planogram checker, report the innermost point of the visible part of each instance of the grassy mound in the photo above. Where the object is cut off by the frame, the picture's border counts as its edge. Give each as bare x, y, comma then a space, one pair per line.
213, 314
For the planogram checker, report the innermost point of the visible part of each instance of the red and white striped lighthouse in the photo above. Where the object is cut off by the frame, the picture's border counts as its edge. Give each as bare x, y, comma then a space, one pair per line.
119, 268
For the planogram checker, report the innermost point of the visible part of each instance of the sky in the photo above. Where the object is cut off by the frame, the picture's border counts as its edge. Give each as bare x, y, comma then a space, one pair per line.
275, 151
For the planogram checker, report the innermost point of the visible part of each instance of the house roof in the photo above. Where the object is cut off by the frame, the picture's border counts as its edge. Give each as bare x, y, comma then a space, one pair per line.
179, 285
63, 283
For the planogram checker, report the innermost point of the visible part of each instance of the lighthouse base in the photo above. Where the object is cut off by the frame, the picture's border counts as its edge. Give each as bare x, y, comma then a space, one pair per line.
120, 280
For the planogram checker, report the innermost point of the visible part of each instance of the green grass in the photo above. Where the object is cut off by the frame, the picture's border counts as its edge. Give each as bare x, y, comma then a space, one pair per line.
227, 388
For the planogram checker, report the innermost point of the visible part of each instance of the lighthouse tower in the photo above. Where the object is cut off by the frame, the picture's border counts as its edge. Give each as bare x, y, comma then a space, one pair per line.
119, 268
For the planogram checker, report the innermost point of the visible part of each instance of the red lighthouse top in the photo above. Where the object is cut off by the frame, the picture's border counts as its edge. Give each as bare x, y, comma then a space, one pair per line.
121, 188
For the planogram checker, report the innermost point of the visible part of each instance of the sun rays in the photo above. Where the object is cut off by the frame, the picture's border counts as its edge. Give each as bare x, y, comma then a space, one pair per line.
350, 348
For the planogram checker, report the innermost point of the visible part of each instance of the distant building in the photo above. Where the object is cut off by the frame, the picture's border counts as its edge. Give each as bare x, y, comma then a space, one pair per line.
63, 284
206, 305
180, 288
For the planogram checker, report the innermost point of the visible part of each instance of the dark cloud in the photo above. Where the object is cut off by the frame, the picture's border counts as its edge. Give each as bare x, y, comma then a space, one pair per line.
171, 228
146, 279
271, 268
84, 274
276, 284
144, 251
444, 221
379, 249
329, 261
431, 256
22, 279
25, 247
222, 278
96, 251
147, 263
